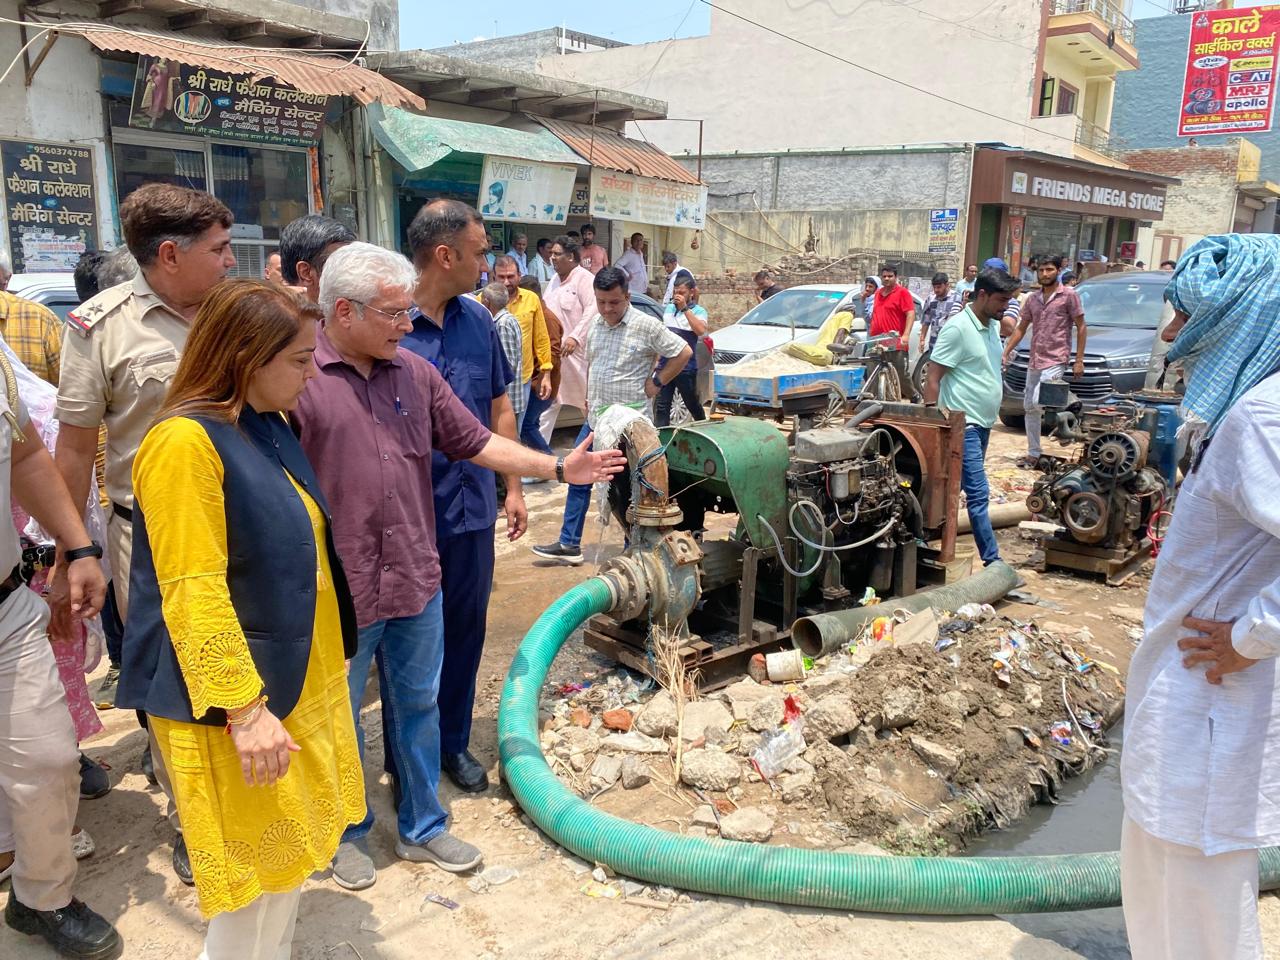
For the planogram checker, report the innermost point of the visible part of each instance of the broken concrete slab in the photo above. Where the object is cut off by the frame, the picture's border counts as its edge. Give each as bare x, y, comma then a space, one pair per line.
830, 718
606, 771
634, 772
942, 758
701, 715
709, 769
658, 718
747, 824
901, 707
633, 742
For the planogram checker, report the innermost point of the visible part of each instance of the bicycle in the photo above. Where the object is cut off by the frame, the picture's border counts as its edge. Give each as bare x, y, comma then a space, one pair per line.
884, 363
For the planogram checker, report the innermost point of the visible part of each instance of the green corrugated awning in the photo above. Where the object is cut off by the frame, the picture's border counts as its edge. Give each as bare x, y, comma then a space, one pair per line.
417, 142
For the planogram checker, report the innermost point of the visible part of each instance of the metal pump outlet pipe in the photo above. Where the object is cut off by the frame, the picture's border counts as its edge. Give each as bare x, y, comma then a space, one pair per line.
809, 878
825, 633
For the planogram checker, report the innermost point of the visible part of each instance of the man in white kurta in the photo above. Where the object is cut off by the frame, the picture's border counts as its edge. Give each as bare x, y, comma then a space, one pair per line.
1201, 762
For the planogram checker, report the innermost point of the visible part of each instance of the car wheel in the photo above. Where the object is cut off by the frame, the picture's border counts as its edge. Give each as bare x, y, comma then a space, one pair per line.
1015, 421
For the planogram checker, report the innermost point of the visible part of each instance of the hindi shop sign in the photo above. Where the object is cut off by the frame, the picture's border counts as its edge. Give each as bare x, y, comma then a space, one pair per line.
1230, 79
526, 191
49, 203
664, 203
173, 96
943, 229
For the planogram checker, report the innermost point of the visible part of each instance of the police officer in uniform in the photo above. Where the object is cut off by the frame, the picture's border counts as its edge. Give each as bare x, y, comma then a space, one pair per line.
120, 353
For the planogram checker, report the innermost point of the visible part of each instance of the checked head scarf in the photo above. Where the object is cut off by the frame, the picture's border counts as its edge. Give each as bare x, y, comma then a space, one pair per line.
1229, 287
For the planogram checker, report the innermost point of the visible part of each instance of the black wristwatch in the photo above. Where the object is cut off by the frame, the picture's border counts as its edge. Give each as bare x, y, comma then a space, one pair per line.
94, 549
560, 469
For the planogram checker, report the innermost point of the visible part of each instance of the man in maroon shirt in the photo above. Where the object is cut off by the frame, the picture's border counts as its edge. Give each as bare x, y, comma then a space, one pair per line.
369, 422
1052, 312
895, 309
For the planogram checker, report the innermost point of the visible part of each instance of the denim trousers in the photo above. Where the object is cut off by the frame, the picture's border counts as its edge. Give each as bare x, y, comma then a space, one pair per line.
686, 381
977, 494
530, 430
576, 504
409, 652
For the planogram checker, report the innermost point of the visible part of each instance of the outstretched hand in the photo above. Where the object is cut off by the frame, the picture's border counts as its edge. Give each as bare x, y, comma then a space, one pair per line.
586, 466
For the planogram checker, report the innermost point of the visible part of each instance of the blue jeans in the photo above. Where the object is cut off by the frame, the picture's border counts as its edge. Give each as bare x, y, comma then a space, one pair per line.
576, 504
530, 435
409, 651
973, 480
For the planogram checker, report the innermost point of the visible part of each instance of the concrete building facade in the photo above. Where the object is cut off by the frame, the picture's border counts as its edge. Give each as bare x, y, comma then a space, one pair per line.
79, 93
523, 51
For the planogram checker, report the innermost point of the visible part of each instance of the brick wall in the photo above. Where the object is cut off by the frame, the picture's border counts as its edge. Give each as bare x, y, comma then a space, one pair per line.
1205, 202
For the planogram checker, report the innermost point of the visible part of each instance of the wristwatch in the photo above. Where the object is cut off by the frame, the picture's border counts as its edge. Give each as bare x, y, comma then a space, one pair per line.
560, 469
94, 549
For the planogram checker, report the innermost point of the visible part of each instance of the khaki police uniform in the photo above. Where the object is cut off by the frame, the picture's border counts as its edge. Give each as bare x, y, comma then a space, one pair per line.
39, 758
118, 359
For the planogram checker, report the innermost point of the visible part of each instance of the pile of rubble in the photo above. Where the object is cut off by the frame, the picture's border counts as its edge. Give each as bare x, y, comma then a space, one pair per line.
911, 746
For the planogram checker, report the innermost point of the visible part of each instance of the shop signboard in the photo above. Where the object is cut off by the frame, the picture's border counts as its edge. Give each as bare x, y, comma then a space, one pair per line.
664, 203
943, 230
178, 98
50, 204
525, 190
1229, 85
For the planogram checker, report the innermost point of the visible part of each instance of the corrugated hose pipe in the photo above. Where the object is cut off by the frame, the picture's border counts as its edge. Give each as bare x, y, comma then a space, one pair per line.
809, 878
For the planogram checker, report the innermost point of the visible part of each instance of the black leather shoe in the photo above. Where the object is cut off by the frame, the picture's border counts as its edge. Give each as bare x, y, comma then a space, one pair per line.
397, 797
74, 931
148, 767
181, 861
464, 770
94, 782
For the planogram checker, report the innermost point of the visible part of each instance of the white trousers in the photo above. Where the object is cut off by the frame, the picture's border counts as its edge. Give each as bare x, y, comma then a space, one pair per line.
261, 931
1031, 403
1180, 904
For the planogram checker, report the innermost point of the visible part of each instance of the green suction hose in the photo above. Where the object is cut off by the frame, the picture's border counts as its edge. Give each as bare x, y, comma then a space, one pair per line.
810, 878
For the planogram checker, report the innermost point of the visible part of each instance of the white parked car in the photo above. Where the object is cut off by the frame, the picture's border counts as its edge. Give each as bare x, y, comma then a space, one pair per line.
794, 314
57, 291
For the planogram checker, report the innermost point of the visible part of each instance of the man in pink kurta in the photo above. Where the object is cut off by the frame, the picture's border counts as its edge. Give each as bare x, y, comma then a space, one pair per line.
573, 300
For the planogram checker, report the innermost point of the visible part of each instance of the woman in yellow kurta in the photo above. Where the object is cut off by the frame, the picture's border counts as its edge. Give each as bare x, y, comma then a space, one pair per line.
240, 622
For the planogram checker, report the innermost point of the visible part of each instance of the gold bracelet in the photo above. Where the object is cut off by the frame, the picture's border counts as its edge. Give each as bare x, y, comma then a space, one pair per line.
249, 714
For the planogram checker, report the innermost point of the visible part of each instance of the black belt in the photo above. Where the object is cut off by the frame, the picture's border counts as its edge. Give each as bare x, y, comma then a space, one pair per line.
124, 513
13, 582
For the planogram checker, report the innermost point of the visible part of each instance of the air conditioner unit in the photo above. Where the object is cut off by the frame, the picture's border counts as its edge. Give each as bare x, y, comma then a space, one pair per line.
250, 259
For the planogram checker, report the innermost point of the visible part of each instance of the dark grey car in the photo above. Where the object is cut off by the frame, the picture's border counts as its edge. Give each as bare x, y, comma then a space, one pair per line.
1122, 312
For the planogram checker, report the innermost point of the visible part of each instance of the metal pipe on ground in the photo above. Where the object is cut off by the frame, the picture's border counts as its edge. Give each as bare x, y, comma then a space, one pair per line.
826, 633
1002, 515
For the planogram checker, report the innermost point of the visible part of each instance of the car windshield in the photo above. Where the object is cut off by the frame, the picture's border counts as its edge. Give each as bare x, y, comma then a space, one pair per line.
807, 309
1136, 304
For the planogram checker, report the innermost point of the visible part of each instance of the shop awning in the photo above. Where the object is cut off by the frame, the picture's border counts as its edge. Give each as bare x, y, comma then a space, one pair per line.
417, 142
605, 148
310, 73
1259, 189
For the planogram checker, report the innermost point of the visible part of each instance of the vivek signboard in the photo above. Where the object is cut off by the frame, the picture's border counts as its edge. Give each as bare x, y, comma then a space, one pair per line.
1230, 79
526, 191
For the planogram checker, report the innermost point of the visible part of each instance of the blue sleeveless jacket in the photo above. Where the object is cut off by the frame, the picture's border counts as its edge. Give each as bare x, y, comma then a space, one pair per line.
271, 574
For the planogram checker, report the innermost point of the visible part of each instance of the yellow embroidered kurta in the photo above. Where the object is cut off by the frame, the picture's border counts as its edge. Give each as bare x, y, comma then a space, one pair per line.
242, 840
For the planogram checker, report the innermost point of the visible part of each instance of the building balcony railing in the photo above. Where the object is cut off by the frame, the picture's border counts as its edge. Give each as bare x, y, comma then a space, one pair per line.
1095, 138
1108, 11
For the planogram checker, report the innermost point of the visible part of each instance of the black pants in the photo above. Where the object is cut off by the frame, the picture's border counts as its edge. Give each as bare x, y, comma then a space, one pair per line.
686, 382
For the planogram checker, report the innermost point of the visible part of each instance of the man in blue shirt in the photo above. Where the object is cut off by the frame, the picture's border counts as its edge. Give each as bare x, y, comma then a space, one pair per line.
964, 376
456, 334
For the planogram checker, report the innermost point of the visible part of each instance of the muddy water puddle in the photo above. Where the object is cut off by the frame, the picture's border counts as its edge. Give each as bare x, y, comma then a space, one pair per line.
1086, 820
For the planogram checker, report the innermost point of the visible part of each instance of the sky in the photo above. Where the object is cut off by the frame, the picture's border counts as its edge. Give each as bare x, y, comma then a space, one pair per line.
427, 25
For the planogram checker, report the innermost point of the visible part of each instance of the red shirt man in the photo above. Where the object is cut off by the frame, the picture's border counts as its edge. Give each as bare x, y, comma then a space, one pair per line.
895, 308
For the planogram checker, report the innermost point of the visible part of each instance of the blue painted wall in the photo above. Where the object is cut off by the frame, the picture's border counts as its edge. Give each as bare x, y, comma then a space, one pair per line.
1147, 99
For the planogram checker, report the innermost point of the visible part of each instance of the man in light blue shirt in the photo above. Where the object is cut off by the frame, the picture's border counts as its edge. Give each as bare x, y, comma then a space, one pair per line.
964, 289
964, 375
519, 252
540, 267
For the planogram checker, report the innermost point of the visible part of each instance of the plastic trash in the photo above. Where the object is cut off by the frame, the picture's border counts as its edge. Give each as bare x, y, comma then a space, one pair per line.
977, 612
778, 747
1061, 732
785, 665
